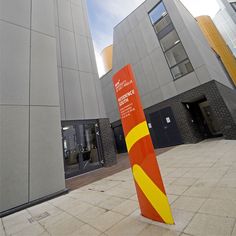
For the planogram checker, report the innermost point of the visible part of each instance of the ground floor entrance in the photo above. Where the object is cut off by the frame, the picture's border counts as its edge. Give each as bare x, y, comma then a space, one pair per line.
207, 111
120, 139
164, 128
203, 118
82, 147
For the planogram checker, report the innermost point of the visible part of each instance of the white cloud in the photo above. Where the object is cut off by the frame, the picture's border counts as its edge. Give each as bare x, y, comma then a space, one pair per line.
201, 7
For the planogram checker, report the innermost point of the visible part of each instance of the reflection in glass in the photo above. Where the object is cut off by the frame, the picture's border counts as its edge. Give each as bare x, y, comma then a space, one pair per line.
70, 147
164, 22
175, 55
182, 69
158, 12
80, 148
169, 40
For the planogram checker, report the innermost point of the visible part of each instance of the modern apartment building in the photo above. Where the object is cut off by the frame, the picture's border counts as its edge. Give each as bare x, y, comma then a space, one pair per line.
185, 92
225, 21
49, 95
87, 137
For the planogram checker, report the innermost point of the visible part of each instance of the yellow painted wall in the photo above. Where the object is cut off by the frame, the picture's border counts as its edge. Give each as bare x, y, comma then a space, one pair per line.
107, 58
218, 44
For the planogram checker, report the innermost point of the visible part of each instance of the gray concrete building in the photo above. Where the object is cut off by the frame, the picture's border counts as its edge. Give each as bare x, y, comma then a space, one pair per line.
225, 21
49, 95
82, 108
185, 92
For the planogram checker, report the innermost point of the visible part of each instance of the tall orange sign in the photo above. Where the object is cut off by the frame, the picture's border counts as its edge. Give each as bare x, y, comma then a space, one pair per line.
149, 185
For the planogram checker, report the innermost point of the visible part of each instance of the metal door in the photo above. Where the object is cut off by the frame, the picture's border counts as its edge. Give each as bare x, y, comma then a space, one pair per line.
120, 139
165, 128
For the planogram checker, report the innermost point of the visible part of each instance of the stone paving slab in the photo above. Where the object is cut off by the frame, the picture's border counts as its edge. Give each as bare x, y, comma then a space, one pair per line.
200, 181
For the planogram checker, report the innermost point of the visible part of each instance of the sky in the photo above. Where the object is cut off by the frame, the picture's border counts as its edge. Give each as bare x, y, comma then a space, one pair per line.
105, 14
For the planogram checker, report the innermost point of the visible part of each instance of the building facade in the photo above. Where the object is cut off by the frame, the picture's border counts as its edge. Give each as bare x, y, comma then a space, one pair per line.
82, 108
49, 95
225, 21
219, 45
185, 92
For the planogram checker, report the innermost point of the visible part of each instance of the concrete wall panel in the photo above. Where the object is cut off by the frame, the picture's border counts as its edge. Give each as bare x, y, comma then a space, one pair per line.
46, 161
14, 64
14, 128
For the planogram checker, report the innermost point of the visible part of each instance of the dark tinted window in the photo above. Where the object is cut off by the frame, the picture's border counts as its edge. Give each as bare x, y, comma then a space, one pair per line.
233, 4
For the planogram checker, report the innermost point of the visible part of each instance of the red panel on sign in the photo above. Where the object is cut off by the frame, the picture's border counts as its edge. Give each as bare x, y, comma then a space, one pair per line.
149, 185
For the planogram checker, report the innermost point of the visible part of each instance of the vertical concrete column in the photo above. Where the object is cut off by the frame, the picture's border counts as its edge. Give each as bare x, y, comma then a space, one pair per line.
46, 161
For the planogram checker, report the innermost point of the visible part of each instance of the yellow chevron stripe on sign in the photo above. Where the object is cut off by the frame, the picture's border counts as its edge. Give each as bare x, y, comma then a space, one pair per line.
156, 197
138, 132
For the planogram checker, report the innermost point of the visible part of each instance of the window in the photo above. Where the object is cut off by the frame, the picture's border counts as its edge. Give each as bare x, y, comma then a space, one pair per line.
161, 24
81, 147
176, 54
157, 13
182, 69
170, 42
233, 4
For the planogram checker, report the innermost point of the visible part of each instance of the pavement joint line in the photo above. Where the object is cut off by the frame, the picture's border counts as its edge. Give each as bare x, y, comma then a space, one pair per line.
3, 226
212, 172
234, 227
64, 211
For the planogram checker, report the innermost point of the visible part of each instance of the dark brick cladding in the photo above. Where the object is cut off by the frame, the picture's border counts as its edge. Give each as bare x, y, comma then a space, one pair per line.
216, 99
107, 138
221, 99
229, 97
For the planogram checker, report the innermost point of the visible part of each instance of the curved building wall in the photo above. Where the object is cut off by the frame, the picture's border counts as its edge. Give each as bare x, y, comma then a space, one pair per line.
225, 21
107, 58
217, 42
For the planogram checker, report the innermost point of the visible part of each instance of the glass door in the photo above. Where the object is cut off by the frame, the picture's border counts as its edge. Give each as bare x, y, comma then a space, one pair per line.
82, 147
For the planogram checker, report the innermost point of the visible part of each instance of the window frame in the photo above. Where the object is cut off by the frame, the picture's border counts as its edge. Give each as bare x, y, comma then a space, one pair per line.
176, 45
164, 52
153, 9
168, 25
171, 68
233, 5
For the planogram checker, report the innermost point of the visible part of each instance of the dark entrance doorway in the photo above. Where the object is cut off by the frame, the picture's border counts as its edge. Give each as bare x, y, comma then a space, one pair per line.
165, 128
120, 139
203, 119
81, 147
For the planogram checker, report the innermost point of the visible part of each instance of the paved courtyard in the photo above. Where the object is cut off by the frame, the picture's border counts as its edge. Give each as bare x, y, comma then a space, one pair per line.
200, 181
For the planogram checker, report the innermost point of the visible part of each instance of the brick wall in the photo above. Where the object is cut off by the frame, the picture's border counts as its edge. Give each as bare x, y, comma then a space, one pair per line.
222, 101
108, 142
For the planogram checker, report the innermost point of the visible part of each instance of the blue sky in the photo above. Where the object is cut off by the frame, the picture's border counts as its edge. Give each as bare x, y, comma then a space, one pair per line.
105, 14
